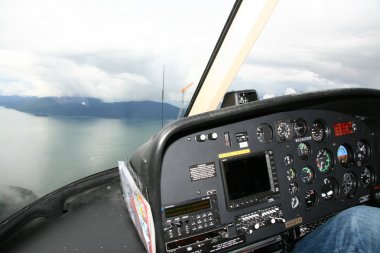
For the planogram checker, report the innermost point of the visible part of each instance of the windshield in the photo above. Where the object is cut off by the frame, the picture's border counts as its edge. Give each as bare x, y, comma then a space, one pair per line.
314, 45
81, 84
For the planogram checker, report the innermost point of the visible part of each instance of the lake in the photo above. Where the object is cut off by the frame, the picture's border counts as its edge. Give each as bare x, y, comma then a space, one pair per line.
45, 153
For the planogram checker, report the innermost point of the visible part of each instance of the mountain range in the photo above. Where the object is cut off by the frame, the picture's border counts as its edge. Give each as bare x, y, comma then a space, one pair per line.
88, 107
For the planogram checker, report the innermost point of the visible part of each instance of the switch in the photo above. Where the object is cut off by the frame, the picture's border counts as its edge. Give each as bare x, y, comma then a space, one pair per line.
201, 138
212, 136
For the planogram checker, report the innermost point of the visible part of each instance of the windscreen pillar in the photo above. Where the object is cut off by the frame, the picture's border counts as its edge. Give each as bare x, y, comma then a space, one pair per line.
244, 31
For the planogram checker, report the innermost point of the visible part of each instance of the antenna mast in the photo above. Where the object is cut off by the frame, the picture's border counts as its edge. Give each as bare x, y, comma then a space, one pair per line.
162, 97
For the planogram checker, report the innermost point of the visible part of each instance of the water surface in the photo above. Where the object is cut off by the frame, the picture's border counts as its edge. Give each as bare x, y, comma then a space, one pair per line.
44, 153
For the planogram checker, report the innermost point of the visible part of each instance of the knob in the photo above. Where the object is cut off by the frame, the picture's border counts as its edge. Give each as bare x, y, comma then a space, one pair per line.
212, 136
201, 138
257, 226
224, 234
272, 220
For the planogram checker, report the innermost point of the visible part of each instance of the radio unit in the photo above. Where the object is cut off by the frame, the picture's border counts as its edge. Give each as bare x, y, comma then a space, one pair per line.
191, 216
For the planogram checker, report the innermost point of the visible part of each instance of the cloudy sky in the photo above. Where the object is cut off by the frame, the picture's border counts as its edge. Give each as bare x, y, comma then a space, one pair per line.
312, 45
115, 49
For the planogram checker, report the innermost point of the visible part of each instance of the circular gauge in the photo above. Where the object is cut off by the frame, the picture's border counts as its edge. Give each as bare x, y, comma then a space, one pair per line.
319, 131
291, 174
362, 152
324, 160
367, 177
349, 184
283, 130
311, 198
295, 202
303, 150
344, 155
293, 188
264, 133
288, 160
300, 127
307, 175
329, 188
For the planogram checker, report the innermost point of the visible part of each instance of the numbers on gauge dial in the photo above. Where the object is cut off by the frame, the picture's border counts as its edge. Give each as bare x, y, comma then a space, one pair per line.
362, 152
311, 198
264, 133
288, 160
295, 202
349, 184
367, 177
291, 174
319, 131
300, 127
284, 130
293, 188
307, 175
329, 189
324, 160
303, 150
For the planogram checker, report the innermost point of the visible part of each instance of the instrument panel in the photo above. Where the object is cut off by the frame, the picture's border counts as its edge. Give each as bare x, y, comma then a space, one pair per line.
232, 187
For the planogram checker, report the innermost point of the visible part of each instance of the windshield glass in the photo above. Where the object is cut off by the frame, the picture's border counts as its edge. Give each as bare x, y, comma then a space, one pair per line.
314, 45
81, 83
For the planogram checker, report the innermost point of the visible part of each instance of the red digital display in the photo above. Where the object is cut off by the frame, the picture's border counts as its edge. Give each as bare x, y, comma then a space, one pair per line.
343, 128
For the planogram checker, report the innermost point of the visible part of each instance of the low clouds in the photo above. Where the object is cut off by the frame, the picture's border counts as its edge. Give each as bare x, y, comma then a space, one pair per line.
112, 50
116, 50
45, 75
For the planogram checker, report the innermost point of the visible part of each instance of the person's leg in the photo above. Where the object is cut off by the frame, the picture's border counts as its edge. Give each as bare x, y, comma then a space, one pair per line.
353, 230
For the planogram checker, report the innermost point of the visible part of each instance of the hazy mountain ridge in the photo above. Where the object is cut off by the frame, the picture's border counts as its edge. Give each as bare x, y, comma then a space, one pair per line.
90, 107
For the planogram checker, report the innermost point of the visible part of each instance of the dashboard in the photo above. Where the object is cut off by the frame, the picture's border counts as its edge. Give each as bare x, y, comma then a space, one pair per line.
259, 175
241, 183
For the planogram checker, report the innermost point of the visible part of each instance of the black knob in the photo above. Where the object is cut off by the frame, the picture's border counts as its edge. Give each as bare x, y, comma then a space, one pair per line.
201, 138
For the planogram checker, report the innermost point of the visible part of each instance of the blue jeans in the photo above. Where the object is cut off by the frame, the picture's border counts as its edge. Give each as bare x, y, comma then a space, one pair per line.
353, 230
